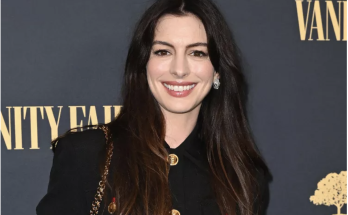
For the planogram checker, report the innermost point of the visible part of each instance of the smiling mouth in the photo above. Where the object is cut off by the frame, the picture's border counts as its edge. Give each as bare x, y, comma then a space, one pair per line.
179, 88
176, 89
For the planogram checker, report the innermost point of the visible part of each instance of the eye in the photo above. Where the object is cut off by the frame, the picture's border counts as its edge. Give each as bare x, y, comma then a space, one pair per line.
161, 52
199, 54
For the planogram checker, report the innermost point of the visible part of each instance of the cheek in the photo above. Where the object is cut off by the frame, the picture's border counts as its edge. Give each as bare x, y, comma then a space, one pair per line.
205, 71
155, 68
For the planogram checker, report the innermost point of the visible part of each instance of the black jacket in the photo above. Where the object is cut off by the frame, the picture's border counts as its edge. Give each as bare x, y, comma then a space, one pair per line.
74, 176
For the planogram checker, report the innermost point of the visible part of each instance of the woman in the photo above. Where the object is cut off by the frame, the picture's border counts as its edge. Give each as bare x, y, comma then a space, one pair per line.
178, 146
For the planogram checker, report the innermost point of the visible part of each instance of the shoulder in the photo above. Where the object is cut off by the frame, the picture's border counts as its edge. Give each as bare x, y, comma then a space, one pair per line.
82, 146
80, 141
73, 173
83, 151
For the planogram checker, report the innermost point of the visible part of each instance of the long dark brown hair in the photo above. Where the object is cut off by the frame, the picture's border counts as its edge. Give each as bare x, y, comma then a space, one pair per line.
141, 179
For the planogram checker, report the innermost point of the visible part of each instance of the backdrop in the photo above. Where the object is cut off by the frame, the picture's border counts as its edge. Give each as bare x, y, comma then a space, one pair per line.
62, 63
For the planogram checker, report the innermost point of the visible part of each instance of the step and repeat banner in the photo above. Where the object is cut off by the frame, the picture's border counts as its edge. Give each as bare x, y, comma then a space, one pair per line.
62, 63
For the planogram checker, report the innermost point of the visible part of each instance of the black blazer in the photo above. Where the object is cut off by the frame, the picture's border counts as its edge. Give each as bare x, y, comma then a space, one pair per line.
75, 176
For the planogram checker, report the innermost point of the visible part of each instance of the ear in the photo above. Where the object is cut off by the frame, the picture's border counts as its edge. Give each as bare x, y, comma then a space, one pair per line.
216, 75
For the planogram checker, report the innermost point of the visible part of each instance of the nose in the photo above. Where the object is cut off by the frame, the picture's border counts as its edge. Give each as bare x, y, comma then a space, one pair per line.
179, 67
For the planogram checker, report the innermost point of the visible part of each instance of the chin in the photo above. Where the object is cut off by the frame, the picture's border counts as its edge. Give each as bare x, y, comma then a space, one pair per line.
178, 108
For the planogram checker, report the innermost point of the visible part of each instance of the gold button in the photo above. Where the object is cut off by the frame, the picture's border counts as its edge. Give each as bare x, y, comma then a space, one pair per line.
175, 212
112, 207
173, 159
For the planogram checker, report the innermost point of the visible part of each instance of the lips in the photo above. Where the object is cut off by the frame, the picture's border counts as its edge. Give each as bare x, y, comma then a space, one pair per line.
179, 84
182, 85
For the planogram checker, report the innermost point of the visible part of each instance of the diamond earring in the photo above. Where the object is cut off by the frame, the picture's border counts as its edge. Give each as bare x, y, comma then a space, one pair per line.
216, 84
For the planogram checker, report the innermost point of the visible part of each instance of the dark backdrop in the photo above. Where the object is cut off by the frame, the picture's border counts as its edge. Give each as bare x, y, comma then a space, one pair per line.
64, 59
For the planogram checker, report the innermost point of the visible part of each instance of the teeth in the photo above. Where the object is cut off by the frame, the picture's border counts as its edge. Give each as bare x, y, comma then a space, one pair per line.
179, 88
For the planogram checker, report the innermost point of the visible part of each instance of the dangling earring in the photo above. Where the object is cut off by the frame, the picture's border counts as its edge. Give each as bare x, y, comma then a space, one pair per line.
216, 84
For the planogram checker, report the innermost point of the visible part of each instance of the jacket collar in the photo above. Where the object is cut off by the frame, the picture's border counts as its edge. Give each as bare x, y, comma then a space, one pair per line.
193, 148
192, 142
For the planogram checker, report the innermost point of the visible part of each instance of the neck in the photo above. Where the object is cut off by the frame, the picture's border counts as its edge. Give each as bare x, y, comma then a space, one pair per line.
179, 125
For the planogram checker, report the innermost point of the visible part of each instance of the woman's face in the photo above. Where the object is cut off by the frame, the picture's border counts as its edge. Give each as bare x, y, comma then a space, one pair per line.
179, 71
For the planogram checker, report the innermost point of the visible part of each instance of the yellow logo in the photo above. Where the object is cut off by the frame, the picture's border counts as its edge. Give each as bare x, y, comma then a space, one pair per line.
331, 190
12, 129
317, 19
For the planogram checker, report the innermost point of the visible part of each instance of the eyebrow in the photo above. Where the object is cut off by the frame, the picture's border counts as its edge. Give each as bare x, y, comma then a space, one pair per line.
188, 46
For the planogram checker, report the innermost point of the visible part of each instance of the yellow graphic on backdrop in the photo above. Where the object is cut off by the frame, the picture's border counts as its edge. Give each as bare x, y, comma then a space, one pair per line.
78, 116
331, 190
317, 19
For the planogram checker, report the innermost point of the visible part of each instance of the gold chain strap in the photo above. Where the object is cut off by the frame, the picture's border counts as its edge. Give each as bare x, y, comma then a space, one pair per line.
100, 191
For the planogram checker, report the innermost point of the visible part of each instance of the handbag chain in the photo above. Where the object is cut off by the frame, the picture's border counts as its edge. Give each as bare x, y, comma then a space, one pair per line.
100, 191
